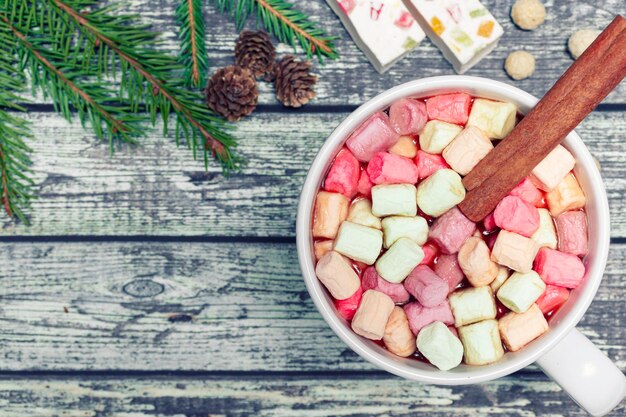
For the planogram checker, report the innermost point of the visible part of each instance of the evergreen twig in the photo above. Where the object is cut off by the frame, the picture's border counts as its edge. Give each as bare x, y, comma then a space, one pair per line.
191, 34
280, 18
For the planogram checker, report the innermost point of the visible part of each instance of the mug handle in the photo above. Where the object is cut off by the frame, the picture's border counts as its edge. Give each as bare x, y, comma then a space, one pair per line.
585, 373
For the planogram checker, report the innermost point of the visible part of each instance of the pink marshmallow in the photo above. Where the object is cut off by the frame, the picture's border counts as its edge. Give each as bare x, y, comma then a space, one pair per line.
517, 216
407, 116
527, 191
420, 316
387, 168
558, 268
552, 297
343, 175
346, 308
489, 223
373, 136
372, 281
571, 228
451, 230
427, 287
430, 253
365, 185
427, 164
448, 268
451, 108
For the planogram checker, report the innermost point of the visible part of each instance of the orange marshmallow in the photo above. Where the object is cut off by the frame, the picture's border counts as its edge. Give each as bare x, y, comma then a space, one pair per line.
371, 317
567, 195
405, 146
515, 251
517, 330
398, 336
321, 248
474, 259
330, 210
337, 275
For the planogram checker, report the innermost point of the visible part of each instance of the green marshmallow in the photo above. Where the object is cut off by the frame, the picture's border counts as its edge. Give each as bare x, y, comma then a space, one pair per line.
394, 199
395, 227
440, 346
440, 192
472, 305
358, 242
481, 342
399, 260
520, 291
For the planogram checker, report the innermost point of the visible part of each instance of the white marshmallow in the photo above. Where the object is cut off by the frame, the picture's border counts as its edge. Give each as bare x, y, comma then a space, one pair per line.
545, 236
481, 342
361, 213
567, 195
495, 118
472, 305
372, 314
553, 168
520, 291
399, 260
440, 192
437, 135
515, 251
440, 346
517, 330
474, 259
414, 228
337, 275
394, 199
467, 149
359, 242
503, 275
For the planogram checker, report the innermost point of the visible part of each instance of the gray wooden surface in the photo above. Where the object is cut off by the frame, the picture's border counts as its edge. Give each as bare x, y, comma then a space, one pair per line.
148, 287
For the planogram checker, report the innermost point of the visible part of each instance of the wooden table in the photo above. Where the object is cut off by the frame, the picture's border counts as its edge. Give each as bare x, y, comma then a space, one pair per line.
147, 286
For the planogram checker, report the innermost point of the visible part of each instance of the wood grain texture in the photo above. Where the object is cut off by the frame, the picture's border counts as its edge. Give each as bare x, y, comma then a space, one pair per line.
193, 306
158, 189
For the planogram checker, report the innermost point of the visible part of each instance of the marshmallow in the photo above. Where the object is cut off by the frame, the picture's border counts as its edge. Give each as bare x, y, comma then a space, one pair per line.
337, 275
566, 196
481, 342
359, 242
545, 236
414, 228
447, 267
467, 149
558, 268
361, 213
503, 275
343, 175
321, 247
420, 316
476, 264
472, 305
427, 287
495, 118
330, 210
371, 317
440, 346
387, 168
553, 168
399, 260
407, 116
394, 199
520, 291
515, 251
517, 330
440, 192
398, 337
437, 135
364, 187
347, 308
451, 230
527, 191
571, 227
373, 136
427, 164
489, 223
517, 216
451, 108
430, 253
552, 298
372, 281
405, 146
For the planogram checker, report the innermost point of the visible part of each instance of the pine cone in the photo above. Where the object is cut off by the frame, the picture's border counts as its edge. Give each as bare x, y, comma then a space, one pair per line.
255, 51
294, 84
232, 92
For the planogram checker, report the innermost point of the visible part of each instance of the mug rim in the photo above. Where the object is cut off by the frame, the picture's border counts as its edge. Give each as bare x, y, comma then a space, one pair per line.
479, 87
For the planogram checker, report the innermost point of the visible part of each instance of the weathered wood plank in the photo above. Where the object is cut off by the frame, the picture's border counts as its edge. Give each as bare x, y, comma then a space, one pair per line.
280, 395
167, 306
159, 190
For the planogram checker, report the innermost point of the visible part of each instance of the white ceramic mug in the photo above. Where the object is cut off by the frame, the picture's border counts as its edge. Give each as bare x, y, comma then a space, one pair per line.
563, 353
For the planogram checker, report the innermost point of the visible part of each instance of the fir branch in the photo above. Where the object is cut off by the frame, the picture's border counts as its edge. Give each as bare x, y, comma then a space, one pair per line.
193, 53
283, 21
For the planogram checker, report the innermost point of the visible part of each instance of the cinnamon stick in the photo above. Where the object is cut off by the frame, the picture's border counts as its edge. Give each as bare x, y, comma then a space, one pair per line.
581, 88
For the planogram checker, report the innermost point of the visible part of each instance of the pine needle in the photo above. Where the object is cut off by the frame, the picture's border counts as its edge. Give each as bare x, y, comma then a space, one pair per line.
287, 24
191, 34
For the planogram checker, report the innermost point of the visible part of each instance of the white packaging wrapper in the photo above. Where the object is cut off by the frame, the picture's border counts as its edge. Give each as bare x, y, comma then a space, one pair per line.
383, 29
